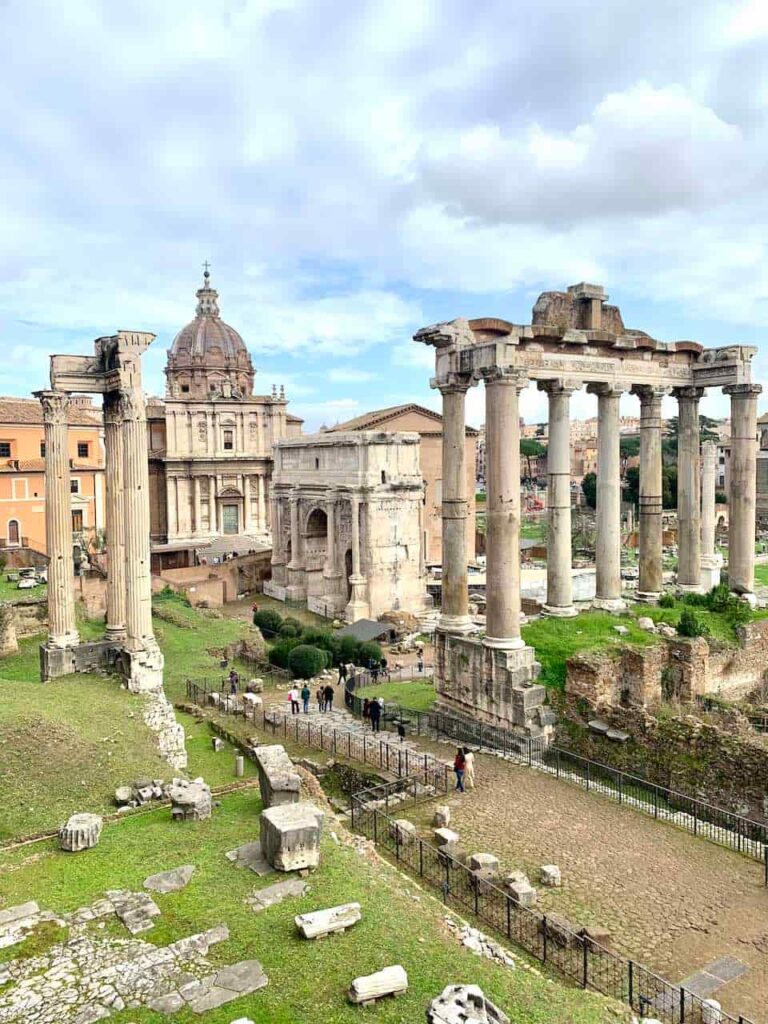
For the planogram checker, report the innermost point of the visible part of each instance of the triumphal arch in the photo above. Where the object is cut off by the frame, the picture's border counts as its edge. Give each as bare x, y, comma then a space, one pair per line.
575, 339
129, 643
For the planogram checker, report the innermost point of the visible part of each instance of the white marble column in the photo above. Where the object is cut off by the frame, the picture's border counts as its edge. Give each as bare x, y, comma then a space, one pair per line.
711, 561
113, 465
247, 524
329, 568
198, 507
212, 504
651, 580
688, 493
62, 629
608, 575
261, 483
172, 504
559, 557
357, 608
454, 612
502, 440
742, 498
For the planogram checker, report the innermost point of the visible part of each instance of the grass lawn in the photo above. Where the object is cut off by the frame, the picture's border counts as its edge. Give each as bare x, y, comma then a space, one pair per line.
533, 529
11, 592
416, 694
761, 575
308, 981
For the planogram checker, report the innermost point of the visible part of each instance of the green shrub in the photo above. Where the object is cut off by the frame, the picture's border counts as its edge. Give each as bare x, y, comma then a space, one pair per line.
690, 624
290, 627
695, 600
306, 661
348, 649
268, 621
720, 599
666, 601
369, 650
280, 652
325, 640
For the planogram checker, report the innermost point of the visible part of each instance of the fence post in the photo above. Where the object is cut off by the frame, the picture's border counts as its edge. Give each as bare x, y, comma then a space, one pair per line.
765, 864
621, 787
421, 858
397, 842
631, 984
655, 801
682, 1005
544, 938
587, 776
585, 964
375, 828
349, 744
481, 736
558, 761
530, 752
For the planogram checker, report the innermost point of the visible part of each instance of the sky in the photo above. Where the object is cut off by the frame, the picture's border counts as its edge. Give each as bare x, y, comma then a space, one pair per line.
356, 170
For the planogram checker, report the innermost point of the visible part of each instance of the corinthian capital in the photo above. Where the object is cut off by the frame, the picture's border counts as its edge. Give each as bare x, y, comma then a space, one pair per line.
113, 415
55, 405
131, 404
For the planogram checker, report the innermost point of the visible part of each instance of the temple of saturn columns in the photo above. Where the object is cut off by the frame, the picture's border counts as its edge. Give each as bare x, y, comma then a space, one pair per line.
129, 642
576, 339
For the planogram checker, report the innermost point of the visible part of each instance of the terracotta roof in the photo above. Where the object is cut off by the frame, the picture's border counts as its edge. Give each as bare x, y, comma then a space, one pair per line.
293, 419
29, 412
374, 419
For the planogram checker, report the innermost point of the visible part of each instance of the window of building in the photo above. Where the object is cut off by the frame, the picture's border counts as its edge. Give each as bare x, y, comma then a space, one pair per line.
82, 449
77, 520
5, 449
185, 389
383, 477
13, 532
229, 440
74, 486
317, 463
42, 449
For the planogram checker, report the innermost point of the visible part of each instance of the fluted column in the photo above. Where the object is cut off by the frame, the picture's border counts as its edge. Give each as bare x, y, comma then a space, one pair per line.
454, 613
113, 459
62, 630
198, 506
138, 623
743, 487
247, 522
559, 557
262, 487
172, 501
711, 561
608, 575
688, 492
502, 440
212, 504
295, 538
651, 579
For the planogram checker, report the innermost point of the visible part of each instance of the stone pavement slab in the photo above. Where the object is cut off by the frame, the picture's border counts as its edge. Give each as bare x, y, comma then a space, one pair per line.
170, 881
249, 856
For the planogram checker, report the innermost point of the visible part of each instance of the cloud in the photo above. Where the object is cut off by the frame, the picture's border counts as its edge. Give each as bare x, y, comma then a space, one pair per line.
350, 375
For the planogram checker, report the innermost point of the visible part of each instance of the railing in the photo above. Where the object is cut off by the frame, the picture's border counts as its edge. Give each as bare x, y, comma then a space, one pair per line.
573, 954
383, 754
661, 802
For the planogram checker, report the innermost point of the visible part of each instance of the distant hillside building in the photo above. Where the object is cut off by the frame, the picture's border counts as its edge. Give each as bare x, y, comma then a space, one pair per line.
428, 425
210, 441
22, 471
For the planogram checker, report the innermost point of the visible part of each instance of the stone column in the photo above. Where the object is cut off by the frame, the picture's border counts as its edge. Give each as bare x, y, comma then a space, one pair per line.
651, 580
454, 613
329, 568
113, 458
198, 506
357, 608
172, 502
212, 504
743, 485
146, 668
262, 487
295, 538
502, 439
688, 495
608, 577
297, 581
247, 521
62, 630
711, 561
559, 559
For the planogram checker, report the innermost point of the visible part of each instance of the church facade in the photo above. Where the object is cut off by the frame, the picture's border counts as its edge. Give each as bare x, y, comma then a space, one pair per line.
210, 442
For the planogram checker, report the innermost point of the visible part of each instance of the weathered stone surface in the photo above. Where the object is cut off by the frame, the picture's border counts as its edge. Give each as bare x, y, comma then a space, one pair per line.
135, 909
402, 830
483, 862
190, 801
326, 922
561, 930
278, 782
522, 893
442, 817
123, 795
276, 893
391, 981
170, 881
81, 832
550, 876
464, 1004
13, 914
249, 856
646, 623
290, 836
444, 836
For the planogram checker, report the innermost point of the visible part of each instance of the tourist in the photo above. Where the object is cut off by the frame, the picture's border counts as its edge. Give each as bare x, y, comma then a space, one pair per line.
374, 671
342, 672
374, 712
384, 668
306, 693
420, 663
328, 694
234, 679
469, 768
320, 699
459, 767
366, 710
293, 697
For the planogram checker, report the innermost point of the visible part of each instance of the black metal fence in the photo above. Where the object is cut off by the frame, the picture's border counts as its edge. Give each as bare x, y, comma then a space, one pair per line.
369, 748
661, 802
573, 954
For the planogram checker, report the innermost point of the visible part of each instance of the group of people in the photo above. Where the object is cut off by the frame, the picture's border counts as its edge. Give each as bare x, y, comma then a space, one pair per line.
324, 696
372, 712
464, 769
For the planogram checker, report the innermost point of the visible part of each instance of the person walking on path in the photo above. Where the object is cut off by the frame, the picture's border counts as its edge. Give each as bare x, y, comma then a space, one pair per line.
374, 711
342, 672
320, 699
306, 693
459, 767
234, 679
469, 768
328, 694
293, 697
366, 711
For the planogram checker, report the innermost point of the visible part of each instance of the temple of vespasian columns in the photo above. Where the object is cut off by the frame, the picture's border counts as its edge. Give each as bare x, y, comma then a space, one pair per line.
575, 339
129, 642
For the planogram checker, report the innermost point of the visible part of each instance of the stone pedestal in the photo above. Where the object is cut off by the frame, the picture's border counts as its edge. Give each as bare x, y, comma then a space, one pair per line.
190, 801
81, 832
389, 982
278, 782
290, 836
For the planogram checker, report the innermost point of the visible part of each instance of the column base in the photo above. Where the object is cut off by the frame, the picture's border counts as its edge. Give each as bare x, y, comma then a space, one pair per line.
357, 607
690, 588
115, 634
610, 604
648, 596
64, 641
748, 597
556, 611
459, 624
504, 643
143, 668
295, 593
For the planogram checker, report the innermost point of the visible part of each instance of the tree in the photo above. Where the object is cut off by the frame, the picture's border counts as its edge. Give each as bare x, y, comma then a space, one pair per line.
669, 485
530, 449
589, 489
369, 651
629, 446
632, 485
306, 661
268, 620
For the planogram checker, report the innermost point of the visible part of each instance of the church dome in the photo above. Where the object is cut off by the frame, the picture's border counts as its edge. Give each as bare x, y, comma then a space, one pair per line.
208, 358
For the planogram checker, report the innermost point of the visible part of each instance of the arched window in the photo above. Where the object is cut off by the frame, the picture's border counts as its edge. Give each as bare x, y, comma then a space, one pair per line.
14, 537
